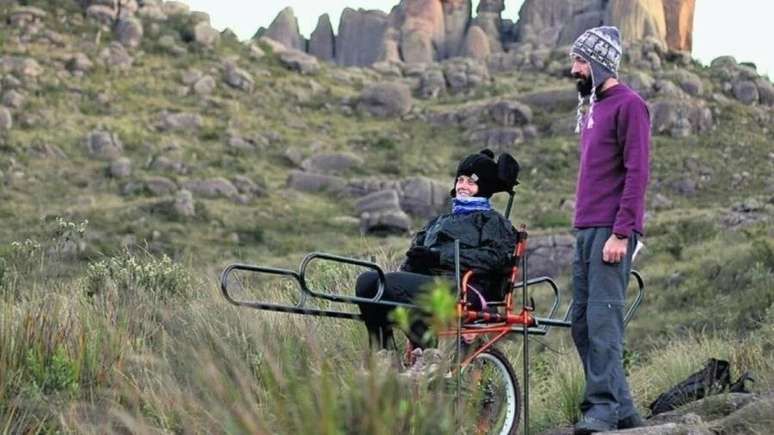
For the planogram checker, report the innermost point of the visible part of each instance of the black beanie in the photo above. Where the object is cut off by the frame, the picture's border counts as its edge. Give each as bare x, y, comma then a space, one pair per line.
483, 169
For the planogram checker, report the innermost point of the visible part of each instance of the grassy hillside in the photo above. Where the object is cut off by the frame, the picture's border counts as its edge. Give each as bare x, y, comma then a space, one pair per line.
110, 317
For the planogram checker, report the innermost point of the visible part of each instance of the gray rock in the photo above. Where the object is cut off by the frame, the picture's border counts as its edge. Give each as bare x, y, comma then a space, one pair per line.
103, 145
23, 15
205, 85
383, 223
294, 155
116, 57
174, 8
184, 205
510, 113
314, 183
765, 91
205, 35
322, 40
102, 14
160, 186
499, 139
248, 187
559, 100
670, 116
476, 44
432, 84
667, 88
13, 99
238, 78
746, 91
129, 32
284, 29
152, 12
79, 62
299, 61
120, 168
383, 200
6, 120
25, 67
167, 165
360, 37
640, 82
550, 255
179, 121
463, 74
212, 188
386, 100
423, 197
331, 163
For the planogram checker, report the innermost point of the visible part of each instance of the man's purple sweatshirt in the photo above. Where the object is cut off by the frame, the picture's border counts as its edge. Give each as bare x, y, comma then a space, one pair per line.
614, 163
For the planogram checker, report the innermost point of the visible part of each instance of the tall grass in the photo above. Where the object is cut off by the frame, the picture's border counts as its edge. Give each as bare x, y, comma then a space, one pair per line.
141, 344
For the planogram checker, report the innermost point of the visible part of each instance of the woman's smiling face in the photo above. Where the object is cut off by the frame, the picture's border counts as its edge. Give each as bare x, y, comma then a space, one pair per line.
465, 186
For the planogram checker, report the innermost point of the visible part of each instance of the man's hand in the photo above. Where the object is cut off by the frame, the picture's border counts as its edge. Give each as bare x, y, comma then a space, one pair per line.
614, 250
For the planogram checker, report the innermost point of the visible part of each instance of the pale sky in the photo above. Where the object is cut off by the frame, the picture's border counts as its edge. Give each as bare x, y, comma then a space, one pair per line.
742, 28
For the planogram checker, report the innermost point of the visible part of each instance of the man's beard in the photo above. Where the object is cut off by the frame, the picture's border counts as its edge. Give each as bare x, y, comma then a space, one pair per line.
583, 84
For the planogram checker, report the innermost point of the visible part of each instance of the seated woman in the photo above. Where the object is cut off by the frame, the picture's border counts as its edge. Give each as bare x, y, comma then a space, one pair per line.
487, 241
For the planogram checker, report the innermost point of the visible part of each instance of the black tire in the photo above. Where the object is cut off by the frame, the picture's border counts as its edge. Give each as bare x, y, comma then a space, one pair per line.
491, 395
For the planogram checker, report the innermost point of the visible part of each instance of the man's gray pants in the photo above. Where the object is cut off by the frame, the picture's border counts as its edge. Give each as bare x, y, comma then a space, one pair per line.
597, 325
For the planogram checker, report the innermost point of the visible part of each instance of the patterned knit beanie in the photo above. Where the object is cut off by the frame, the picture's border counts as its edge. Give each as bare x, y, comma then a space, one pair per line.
601, 48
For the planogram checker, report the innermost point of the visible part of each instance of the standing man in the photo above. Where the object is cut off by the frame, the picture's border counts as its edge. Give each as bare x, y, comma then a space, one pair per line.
609, 207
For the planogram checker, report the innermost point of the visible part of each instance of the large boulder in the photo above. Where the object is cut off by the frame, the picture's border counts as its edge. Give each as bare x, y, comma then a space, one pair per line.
637, 19
360, 37
463, 74
456, 15
424, 197
550, 255
182, 121
489, 20
331, 162
680, 118
510, 113
115, 57
129, 32
476, 44
205, 35
284, 29
422, 30
238, 78
386, 99
299, 61
212, 188
679, 24
322, 40
383, 200
383, 223
103, 145
314, 183
6, 120
746, 91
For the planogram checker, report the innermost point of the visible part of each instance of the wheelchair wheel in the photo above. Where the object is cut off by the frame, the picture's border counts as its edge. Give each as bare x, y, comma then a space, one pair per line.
491, 395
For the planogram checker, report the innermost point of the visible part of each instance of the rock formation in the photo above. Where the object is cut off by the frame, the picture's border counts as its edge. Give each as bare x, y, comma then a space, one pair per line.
284, 29
425, 31
361, 37
321, 41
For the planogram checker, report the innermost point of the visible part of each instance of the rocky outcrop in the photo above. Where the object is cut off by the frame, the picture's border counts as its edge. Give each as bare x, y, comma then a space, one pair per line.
422, 30
456, 18
489, 20
361, 36
322, 41
638, 19
555, 23
679, 24
284, 29
386, 100
476, 44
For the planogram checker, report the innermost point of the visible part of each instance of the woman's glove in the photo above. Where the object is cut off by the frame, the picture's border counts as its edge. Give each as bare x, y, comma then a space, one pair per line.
421, 257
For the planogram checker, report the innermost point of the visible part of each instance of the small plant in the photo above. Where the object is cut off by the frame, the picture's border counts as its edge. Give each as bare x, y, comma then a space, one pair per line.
51, 373
128, 274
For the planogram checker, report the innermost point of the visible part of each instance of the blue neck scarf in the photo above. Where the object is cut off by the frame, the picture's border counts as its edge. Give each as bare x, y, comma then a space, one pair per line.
470, 204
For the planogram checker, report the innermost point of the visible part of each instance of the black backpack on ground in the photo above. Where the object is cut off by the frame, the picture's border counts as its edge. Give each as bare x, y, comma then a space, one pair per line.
714, 378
